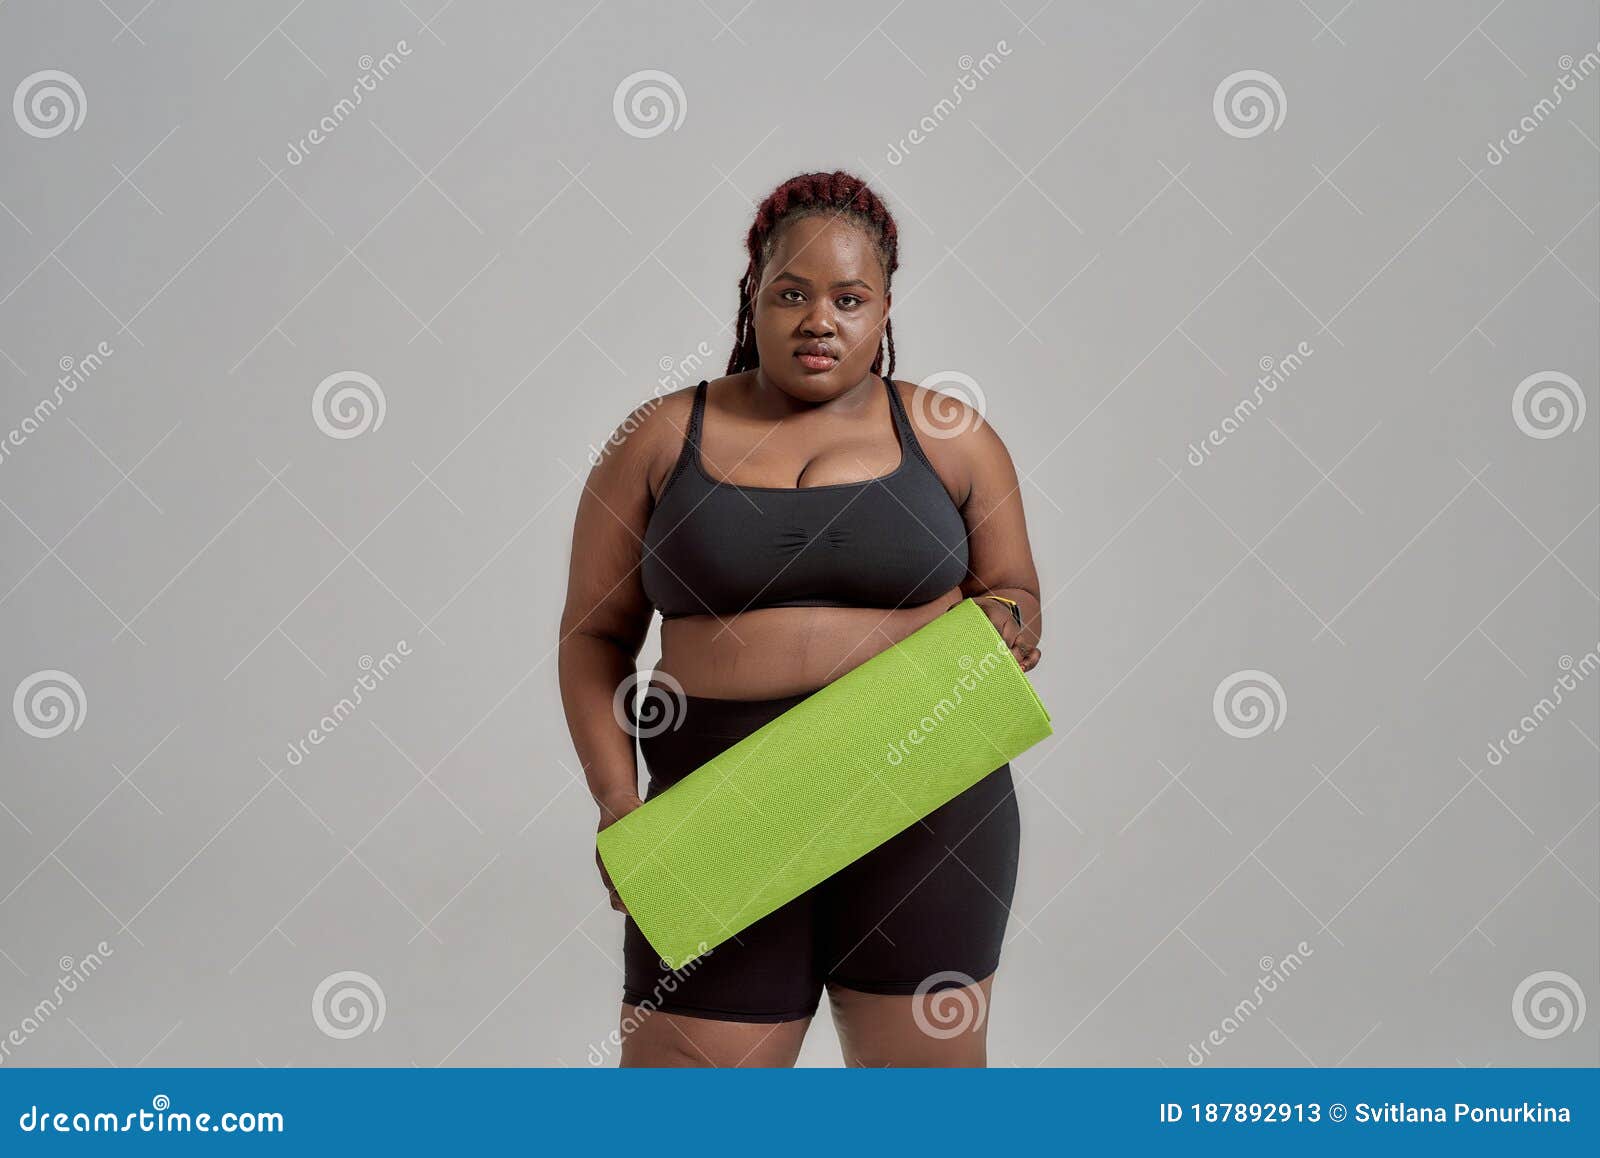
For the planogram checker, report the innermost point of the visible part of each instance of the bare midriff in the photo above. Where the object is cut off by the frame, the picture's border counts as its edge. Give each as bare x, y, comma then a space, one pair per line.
781, 651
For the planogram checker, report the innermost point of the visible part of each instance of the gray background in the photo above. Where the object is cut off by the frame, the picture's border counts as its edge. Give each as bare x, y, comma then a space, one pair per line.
1080, 237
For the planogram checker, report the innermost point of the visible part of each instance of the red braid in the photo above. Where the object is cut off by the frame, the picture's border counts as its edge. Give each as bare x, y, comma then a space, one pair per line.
811, 194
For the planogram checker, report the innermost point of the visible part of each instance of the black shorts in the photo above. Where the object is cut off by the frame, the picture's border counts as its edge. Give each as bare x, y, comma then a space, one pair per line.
927, 909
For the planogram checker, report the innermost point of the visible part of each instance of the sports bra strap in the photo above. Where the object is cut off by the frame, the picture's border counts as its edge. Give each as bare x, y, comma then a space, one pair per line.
691, 439
696, 411
909, 442
902, 424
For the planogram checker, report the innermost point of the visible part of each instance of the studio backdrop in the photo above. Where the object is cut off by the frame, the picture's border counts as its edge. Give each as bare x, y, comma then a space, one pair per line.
313, 319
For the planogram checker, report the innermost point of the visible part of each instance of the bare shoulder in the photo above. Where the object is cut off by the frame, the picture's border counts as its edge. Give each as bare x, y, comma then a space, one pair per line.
647, 442
953, 431
954, 413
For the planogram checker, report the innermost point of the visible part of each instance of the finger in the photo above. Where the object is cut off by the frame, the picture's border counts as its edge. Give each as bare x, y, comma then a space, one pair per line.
1009, 631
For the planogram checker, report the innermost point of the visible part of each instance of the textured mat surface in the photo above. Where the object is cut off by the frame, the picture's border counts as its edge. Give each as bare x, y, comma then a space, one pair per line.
823, 784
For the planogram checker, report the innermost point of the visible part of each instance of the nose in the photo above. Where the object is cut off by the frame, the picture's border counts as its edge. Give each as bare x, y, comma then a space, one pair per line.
818, 322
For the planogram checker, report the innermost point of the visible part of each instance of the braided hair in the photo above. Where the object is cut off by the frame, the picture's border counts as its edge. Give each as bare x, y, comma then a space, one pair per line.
838, 194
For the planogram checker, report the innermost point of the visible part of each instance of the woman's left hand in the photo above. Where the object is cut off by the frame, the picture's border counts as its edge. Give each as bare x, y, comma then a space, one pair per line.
1022, 644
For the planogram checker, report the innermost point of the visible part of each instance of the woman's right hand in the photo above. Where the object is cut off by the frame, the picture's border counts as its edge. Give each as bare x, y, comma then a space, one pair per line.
611, 811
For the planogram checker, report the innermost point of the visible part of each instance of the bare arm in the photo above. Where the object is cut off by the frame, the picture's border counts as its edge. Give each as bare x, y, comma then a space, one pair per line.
1000, 558
607, 616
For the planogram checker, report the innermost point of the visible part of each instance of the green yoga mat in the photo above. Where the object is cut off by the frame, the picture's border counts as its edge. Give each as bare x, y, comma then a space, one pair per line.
823, 784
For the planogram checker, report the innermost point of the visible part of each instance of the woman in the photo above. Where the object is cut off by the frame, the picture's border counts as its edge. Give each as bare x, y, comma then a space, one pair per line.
789, 521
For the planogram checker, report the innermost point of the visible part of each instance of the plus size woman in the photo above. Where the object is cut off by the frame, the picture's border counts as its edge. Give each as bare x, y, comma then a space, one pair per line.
789, 521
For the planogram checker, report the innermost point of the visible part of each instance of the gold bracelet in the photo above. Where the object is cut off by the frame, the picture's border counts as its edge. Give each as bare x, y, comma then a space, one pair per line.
1016, 610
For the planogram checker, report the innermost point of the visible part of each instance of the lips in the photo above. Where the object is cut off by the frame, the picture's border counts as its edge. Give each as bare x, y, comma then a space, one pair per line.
816, 355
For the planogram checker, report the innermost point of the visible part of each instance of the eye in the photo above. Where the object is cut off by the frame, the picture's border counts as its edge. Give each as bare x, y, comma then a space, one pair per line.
783, 295
851, 298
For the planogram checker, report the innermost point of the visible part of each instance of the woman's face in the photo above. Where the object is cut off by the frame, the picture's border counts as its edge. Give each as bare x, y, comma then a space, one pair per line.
820, 308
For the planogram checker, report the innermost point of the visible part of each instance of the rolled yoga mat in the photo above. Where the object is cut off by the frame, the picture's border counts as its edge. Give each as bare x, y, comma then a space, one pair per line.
823, 784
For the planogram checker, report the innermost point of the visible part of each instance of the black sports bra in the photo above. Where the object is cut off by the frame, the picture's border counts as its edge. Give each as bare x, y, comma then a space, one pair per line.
718, 548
